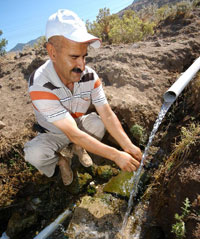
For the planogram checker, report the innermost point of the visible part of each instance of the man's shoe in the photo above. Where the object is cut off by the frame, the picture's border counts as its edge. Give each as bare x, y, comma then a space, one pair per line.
83, 156
65, 170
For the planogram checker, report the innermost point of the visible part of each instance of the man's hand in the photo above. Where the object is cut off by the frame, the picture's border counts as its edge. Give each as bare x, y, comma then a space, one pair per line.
135, 152
114, 127
126, 162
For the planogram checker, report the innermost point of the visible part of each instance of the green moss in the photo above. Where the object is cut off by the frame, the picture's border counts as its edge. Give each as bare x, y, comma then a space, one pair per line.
121, 184
105, 172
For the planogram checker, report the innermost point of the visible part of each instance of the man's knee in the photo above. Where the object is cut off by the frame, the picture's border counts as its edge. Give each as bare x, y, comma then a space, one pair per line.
35, 155
100, 128
94, 126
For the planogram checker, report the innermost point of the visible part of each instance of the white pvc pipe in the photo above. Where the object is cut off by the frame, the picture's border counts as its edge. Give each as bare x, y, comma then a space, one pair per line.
47, 231
4, 236
173, 92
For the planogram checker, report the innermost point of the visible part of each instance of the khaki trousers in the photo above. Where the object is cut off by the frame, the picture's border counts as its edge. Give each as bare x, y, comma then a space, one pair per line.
41, 151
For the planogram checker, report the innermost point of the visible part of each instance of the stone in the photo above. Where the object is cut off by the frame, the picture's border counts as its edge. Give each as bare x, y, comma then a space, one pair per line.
19, 223
2, 125
120, 184
95, 217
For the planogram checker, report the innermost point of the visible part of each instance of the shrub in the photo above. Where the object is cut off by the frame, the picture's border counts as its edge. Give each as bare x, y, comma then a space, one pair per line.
113, 29
129, 29
3, 43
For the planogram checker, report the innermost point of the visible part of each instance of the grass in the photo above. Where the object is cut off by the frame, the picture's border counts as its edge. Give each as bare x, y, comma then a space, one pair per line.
189, 137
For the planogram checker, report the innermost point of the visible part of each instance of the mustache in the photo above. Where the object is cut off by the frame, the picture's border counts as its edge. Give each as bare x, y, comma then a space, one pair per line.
77, 70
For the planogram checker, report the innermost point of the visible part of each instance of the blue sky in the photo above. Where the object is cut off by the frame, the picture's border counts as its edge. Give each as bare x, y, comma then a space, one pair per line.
25, 20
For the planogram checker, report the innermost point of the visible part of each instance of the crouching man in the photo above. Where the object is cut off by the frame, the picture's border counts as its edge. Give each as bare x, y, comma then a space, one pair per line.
61, 91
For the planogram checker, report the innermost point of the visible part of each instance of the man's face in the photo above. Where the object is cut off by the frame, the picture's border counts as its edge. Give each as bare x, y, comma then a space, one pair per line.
69, 60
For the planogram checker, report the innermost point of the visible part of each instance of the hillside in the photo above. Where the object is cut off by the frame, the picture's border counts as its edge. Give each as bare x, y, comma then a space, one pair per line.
135, 77
137, 5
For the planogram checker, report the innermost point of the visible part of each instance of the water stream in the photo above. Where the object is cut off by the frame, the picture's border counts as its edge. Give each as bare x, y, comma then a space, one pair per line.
131, 226
165, 107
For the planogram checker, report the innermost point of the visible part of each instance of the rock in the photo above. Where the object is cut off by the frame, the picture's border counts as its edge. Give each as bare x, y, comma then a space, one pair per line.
19, 223
95, 217
2, 125
120, 184
123, 183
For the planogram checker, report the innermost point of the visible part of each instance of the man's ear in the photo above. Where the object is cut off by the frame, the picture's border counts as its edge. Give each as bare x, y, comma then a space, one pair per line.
51, 51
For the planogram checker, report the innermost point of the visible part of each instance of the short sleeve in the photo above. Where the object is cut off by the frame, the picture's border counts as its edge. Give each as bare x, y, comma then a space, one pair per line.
98, 95
47, 104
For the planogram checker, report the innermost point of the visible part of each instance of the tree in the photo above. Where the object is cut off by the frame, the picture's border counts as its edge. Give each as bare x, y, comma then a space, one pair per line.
3, 43
101, 27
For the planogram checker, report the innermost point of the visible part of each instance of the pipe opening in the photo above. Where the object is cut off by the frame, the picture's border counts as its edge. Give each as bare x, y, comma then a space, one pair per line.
170, 96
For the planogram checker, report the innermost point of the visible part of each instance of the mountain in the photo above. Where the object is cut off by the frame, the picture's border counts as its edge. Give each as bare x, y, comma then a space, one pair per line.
20, 46
137, 5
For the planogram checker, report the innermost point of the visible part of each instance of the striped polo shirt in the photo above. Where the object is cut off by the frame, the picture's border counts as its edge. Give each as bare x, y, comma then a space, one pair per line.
53, 101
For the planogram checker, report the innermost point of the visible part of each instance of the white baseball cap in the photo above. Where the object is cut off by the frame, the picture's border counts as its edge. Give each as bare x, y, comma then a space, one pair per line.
66, 23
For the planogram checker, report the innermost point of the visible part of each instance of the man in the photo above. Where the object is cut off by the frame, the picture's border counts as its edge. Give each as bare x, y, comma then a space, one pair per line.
62, 90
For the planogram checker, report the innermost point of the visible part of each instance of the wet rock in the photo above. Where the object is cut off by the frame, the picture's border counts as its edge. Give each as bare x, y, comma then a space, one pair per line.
95, 217
120, 184
123, 183
19, 223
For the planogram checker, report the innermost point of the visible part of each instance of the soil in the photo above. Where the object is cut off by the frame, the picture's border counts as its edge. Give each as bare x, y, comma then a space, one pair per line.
135, 77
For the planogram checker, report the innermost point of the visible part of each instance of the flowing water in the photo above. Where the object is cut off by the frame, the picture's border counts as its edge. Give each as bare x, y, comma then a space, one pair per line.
136, 176
131, 226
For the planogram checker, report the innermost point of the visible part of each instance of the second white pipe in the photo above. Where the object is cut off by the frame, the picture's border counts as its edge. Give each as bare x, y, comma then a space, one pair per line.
47, 231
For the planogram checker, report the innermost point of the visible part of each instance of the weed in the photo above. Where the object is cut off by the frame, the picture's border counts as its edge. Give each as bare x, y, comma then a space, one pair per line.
189, 136
137, 132
179, 227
